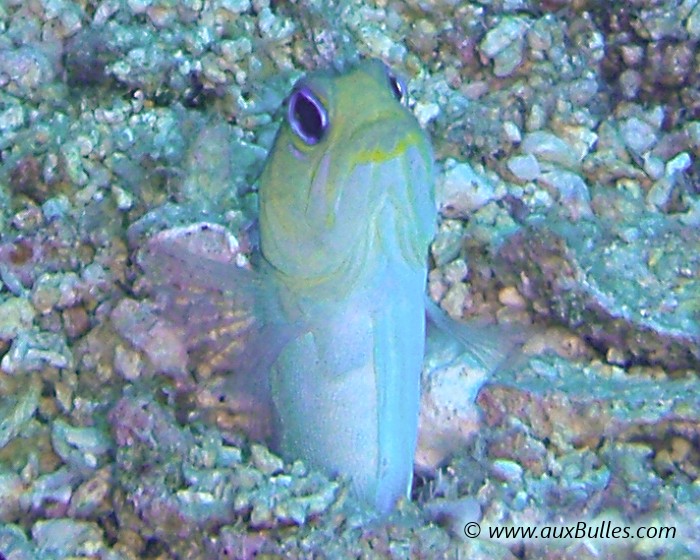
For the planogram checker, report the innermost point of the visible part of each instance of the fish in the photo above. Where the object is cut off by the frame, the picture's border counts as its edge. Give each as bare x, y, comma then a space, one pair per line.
329, 324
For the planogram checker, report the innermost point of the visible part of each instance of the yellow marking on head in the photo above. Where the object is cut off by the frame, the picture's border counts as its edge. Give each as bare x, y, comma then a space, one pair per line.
377, 155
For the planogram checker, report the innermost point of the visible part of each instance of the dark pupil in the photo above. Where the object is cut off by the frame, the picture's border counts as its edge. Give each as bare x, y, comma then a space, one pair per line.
397, 87
307, 117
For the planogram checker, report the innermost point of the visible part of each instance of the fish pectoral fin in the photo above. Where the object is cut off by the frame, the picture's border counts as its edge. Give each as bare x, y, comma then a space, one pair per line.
229, 316
486, 346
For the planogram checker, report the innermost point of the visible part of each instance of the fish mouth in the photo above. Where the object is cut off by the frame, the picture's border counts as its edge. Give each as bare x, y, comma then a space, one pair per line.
393, 166
406, 221
396, 227
383, 215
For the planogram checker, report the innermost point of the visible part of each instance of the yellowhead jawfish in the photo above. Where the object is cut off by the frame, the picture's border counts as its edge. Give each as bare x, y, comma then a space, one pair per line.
347, 214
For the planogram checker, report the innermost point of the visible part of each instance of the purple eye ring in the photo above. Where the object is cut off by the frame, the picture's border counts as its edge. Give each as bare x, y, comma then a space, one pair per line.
307, 116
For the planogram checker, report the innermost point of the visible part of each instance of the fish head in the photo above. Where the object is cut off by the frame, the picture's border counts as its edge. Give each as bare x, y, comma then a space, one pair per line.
349, 178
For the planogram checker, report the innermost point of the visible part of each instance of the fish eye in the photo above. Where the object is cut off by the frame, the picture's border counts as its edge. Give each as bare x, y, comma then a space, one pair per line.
398, 87
307, 116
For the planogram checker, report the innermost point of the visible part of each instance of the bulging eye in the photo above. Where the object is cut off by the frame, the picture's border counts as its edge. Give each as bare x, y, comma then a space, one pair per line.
398, 87
307, 116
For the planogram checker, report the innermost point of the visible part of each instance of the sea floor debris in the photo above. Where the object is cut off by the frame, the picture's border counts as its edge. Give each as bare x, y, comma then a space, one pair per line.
567, 139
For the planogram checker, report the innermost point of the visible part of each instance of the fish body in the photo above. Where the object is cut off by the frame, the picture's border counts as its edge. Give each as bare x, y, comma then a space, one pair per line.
347, 214
346, 220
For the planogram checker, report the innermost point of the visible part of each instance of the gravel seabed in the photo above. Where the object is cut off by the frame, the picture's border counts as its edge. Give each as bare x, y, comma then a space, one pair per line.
567, 137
